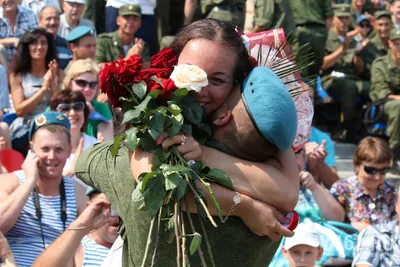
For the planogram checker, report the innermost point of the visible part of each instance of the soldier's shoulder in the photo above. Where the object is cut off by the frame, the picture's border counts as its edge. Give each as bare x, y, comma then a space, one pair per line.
106, 35
380, 60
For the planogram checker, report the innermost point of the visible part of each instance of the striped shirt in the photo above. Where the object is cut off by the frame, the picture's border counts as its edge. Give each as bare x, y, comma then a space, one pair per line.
379, 246
25, 238
95, 254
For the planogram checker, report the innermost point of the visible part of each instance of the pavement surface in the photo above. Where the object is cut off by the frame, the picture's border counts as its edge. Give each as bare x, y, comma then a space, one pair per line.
344, 160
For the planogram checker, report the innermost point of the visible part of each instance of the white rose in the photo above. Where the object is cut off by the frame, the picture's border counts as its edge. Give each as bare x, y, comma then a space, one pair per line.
190, 77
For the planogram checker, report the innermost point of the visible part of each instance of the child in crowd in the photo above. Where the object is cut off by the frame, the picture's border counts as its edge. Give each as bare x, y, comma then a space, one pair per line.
303, 249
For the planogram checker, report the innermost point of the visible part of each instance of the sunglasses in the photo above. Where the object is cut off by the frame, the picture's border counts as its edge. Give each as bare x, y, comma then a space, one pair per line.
83, 84
365, 25
372, 170
65, 108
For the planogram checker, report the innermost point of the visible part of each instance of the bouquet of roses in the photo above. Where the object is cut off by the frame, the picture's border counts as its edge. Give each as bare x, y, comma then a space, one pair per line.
154, 101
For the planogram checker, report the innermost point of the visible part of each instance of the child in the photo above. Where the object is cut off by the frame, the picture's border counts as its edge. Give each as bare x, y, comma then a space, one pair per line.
303, 249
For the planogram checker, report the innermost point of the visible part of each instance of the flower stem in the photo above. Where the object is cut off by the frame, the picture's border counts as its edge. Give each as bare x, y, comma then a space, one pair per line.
201, 254
207, 243
207, 185
157, 237
177, 236
184, 252
146, 251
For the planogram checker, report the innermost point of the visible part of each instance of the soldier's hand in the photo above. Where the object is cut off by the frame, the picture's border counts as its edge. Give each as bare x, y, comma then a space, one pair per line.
137, 48
349, 38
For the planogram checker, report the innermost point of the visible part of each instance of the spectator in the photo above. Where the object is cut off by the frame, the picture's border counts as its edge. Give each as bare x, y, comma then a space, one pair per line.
34, 79
304, 248
148, 30
49, 19
360, 8
320, 153
72, 17
82, 43
313, 20
83, 76
367, 198
363, 48
78, 244
6, 254
379, 245
37, 5
73, 105
14, 22
37, 203
378, 5
340, 69
382, 27
271, 14
122, 42
395, 10
386, 85
4, 91
5, 141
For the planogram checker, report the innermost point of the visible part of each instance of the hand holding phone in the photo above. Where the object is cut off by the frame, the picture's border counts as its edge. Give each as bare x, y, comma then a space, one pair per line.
31, 166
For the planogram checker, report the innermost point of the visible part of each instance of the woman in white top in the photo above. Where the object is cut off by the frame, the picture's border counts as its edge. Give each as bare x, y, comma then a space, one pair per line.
73, 105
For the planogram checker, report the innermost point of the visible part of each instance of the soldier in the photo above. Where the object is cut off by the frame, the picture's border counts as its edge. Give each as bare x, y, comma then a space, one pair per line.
82, 43
395, 9
226, 10
122, 42
385, 80
340, 69
313, 20
273, 14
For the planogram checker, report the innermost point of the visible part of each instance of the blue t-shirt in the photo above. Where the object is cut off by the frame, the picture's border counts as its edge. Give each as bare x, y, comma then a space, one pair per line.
63, 53
317, 136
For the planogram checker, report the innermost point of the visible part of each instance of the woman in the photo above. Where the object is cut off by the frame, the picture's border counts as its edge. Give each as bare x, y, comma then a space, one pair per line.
83, 76
37, 203
35, 77
73, 105
215, 47
367, 198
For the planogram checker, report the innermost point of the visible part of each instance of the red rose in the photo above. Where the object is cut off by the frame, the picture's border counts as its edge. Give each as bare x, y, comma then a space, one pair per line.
253, 61
164, 59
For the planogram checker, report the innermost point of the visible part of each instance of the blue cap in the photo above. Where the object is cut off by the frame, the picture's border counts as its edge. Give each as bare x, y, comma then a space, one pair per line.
271, 107
90, 190
48, 118
80, 32
362, 18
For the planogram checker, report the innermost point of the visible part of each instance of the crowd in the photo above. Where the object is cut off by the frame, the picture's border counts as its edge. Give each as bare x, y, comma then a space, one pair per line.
51, 52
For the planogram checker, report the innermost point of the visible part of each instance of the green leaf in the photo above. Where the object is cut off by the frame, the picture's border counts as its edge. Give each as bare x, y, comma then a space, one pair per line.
186, 128
130, 115
140, 89
181, 190
179, 95
156, 127
142, 106
131, 139
154, 195
174, 109
146, 179
169, 169
195, 244
157, 80
160, 158
170, 225
172, 181
154, 94
137, 196
220, 178
192, 113
147, 143
115, 147
176, 124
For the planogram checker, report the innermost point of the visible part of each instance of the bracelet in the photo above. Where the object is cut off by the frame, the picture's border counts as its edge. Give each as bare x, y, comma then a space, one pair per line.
236, 202
79, 227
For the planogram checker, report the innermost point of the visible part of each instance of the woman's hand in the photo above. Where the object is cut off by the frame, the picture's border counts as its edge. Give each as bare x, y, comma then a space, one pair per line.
187, 146
53, 67
307, 180
262, 219
90, 106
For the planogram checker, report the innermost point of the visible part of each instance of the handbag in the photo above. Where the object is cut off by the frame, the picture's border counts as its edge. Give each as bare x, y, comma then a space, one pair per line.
374, 118
337, 239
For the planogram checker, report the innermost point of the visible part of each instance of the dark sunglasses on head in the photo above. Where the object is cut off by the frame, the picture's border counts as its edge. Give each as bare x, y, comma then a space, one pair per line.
83, 83
373, 170
65, 108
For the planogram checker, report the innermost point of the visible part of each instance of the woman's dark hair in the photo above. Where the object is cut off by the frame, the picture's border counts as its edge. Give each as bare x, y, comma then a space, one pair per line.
68, 97
216, 31
21, 63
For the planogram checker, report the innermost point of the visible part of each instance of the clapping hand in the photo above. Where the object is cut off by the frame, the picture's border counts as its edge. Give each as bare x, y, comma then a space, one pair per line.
307, 180
137, 48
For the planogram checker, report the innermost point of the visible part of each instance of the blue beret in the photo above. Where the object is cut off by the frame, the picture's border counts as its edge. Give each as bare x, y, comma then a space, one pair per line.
48, 118
271, 107
90, 190
362, 18
80, 32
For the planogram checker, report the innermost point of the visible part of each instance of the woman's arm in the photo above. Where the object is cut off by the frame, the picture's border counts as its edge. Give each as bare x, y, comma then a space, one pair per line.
24, 106
105, 132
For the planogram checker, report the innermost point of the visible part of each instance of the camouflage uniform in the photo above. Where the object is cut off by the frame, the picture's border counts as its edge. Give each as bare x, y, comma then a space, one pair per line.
226, 10
274, 14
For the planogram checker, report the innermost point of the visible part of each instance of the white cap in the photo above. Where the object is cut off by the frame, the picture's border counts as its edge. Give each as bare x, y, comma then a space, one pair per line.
77, 1
304, 234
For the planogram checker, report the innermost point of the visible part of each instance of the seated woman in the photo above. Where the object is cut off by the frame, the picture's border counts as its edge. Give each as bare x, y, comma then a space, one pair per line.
83, 76
367, 198
38, 203
73, 105
34, 78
